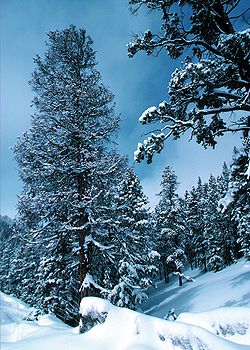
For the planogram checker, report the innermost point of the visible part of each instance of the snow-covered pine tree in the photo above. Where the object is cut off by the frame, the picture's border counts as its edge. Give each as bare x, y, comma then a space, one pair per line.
189, 241
235, 203
25, 259
223, 180
228, 236
60, 159
134, 255
18, 264
240, 189
195, 206
22, 274
213, 40
7, 244
169, 225
211, 226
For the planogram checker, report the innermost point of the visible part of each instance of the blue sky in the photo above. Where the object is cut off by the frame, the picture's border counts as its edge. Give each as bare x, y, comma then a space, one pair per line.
137, 83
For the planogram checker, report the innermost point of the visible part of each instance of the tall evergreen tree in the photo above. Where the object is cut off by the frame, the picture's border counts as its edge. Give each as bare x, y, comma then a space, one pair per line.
189, 239
102, 240
212, 227
6, 247
225, 219
61, 159
240, 185
195, 222
223, 180
135, 256
169, 225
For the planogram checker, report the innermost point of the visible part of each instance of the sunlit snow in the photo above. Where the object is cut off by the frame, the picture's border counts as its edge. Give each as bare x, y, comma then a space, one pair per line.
225, 327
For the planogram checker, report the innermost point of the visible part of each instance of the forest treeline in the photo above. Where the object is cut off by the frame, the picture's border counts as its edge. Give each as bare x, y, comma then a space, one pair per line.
132, 246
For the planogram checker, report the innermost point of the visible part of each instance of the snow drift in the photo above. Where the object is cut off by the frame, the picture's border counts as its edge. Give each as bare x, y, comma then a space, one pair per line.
123, 329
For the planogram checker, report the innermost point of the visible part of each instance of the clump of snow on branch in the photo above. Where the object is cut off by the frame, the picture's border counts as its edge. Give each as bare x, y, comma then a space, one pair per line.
153, 144
154, 255
225, 201
149, 115
89, 282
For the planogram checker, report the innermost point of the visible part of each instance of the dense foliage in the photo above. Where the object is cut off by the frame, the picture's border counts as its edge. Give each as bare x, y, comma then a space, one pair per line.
213, 82
208, 229
71, 177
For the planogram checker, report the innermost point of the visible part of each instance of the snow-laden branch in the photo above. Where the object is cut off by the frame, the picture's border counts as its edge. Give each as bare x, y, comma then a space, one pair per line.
89, 239
89, 281
141, 44
187, 278
240, 107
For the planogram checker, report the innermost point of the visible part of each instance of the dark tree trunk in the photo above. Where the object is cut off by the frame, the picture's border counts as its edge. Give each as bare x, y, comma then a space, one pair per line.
196, 261
166, 274
83, 222
179, 277
160, 272
191, 261
84, 257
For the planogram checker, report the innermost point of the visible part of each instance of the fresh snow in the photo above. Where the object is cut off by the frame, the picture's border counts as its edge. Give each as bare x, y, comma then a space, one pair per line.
228, 287
225, 327
232, 323
89, 281
147, 113
140, 147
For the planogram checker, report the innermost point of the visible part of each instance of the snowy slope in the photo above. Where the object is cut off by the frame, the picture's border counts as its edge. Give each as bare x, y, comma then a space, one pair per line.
226, 328
228, 287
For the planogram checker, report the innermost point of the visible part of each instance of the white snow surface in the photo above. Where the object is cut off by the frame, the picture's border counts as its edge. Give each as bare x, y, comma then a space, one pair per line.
226, 288
93, 305
225, 327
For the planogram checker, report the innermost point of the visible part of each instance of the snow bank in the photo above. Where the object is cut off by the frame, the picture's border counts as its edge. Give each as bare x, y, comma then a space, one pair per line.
50, 321
12, 309
122, 329
94, 305
93, 311
232, 323
16, 323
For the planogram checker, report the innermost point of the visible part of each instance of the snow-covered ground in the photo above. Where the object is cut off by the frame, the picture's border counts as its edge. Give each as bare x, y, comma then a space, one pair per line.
228, 287
224, 328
